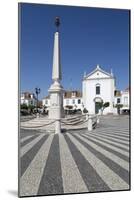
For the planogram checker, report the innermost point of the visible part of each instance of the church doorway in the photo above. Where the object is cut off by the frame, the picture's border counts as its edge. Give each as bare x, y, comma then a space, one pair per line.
97, 107
97, 102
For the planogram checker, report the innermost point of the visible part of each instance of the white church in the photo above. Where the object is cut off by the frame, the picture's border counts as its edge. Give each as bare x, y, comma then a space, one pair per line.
98, 86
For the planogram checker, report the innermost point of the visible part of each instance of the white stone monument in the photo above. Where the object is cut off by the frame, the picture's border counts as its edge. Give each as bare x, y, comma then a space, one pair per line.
56, 110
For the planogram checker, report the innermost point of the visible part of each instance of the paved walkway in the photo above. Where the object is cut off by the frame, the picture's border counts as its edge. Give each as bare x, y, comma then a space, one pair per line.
76, 161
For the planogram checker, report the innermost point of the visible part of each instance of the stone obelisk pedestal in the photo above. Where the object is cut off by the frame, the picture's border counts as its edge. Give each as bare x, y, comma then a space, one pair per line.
56, 110
56, 101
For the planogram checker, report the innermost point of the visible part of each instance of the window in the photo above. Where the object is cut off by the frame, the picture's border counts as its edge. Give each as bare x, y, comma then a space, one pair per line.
97, 89
46, 101
73, 101
73, 94
67, 101
118, 100
125, 100
79, 101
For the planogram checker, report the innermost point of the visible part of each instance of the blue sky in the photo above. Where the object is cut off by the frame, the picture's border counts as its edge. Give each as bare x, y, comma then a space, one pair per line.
88, 36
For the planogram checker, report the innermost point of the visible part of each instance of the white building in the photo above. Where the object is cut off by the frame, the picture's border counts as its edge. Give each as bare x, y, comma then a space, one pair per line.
117, 97
98, 86
74, 99
46, 101
125, 100
70, 98
122, 98
28, 98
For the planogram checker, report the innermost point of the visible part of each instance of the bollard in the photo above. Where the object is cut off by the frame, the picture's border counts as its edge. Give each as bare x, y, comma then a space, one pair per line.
87, 115
90, 128
98, 120
57, 127
37, 115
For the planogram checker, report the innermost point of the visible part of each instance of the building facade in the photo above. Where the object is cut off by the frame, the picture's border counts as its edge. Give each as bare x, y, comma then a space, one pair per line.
28, 99
72, 99
125, 100
98, 86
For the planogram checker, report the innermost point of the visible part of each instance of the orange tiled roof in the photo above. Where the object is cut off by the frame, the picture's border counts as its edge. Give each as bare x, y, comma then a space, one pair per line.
117, 93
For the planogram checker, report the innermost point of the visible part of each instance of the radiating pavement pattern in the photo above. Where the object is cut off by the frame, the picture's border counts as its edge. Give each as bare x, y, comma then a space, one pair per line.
76, 161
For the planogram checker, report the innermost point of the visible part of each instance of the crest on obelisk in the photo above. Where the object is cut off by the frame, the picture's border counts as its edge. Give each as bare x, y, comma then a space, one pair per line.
56, 72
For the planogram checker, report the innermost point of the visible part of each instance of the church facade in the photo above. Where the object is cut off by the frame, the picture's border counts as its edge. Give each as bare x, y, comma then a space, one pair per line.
98, 86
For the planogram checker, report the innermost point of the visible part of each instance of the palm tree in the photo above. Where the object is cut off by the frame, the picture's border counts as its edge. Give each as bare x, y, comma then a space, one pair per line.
102, 106
118, 106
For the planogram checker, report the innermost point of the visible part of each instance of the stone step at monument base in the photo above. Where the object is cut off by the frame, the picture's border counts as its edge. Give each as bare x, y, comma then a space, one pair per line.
68, 118
73, 120
74, 127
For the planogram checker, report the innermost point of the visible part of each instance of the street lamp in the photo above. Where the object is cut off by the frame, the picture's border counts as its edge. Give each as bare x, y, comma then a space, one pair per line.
37, 91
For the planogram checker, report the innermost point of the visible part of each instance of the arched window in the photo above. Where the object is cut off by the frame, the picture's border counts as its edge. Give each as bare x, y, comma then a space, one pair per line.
97, 88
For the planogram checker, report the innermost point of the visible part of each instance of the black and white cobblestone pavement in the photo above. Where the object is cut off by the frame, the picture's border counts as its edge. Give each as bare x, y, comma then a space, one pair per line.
76, 161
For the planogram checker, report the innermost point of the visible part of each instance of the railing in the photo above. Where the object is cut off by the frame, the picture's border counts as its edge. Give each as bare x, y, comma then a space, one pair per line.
38, 126
90, 120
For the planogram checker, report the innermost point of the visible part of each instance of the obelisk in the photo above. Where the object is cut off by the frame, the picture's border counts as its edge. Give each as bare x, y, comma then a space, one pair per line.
56, 110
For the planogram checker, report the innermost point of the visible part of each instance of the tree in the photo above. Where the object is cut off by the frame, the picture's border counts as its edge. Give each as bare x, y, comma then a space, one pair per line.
31, 108
118, 106
24, 106
24, 109
102, 106
85, 110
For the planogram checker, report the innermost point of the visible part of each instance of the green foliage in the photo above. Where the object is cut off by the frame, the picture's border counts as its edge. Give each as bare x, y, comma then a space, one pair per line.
69, 107
102, 105
118, 105
24, 106
85, 110
106, 104
31, 108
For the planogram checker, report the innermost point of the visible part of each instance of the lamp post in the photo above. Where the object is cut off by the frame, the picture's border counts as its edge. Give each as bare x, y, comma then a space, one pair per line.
37, 91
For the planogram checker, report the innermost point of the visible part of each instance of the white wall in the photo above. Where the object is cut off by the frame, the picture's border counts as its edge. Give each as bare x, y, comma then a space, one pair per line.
125, 95
106, 93
46, 102
115, 100
28, 101
70, 102
79, 106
